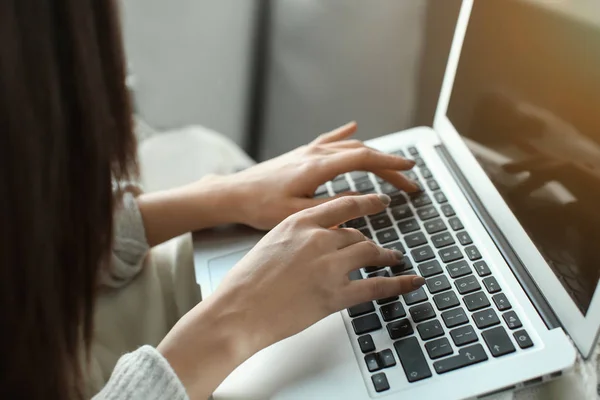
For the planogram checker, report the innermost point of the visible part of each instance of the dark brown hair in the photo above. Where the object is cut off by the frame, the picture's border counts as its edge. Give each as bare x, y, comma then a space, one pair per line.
65, 132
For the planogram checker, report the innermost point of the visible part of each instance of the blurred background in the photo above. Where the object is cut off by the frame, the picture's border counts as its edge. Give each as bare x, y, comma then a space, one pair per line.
272, 74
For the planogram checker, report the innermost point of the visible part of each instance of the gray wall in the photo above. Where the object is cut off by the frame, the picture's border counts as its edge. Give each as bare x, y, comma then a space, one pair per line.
192, 61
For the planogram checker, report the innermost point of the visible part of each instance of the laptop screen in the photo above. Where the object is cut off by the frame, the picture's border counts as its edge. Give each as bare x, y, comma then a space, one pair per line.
526, 99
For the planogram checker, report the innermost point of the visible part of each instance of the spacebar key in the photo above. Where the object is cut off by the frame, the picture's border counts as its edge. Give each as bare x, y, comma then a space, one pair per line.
412, 359
466, 356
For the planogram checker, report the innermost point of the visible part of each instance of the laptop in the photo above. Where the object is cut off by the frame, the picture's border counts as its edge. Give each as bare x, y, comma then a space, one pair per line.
505, 231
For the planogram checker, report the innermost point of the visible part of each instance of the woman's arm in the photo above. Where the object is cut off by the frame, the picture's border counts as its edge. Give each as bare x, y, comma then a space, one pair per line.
264, 195
211, 201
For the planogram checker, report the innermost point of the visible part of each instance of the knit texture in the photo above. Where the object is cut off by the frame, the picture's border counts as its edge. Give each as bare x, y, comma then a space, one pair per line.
145, 375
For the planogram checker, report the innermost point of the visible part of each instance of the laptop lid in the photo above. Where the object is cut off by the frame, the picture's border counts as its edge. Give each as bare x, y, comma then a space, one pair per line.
519, 112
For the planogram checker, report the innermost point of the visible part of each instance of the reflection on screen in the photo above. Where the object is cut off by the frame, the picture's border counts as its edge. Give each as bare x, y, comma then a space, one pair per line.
527, 101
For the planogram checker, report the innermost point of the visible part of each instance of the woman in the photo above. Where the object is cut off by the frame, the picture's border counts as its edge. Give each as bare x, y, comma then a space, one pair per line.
66, 136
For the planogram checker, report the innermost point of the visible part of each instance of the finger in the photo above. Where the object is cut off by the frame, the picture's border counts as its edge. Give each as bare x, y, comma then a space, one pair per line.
364, 159
338, 211
346, 144
380, 288
348, 237
367, 253
399, 180
340, 133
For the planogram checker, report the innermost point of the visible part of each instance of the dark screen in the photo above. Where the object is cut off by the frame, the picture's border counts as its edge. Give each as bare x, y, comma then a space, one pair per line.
526, 99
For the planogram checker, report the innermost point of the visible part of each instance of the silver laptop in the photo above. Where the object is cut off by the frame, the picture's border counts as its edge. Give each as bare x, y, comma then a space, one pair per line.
505, 231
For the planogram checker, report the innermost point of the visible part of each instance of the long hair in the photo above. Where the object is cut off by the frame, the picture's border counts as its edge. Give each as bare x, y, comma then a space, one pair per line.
65, 133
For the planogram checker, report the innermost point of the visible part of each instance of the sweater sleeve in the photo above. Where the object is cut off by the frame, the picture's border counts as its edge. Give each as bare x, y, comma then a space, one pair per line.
130, 245
145, 375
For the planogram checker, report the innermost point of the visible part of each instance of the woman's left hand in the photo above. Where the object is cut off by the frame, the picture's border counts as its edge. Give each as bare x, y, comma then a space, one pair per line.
271, 191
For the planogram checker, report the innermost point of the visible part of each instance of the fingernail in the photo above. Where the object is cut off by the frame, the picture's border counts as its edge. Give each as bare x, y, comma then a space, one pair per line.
418, 281
416, 186
385, 199
412, 163
398, 255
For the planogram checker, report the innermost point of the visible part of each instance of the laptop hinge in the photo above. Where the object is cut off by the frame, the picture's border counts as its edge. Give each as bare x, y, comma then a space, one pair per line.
512, 259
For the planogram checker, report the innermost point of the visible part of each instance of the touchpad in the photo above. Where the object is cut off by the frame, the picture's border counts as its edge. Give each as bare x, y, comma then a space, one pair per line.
220, 266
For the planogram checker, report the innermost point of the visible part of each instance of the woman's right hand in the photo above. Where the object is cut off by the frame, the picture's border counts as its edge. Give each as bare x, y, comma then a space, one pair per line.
295, 276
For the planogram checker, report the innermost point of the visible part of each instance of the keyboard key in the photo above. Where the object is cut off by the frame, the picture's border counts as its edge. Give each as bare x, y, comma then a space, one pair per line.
482, 268
355, 275
401, 212
426, 173
446, 300
426, 213
498, 341
454, 317
501, 302
368, 270
473, 253
464, 238
411, 175
366, 232
420, 200
458, 269
401, 267
398, 200
364, 186
442, 240
340, 186
523, 339
392, 311
419, 161
380, 221
440, 197
413, 151
366, 324
388, 188
359, 175
386, 358
433, 185
466, 356
414, 297
361, 309
357, 223
387, 300
455, 224
485, 318
395, 246
321, 190
447, 210
435, 226
387, 236
415, 239
450, 254
380, 382
412, 359
491, 284
366, 344
512, 320
467, 284
372, 362
339, 177
383, 273
476, 301
430, 268
422, 254
437, 284
422, 312
399, 329
430, 330
438, 348
409, 225
463, 335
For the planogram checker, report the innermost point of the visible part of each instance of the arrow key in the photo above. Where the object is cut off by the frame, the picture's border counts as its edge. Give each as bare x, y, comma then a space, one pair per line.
498, 341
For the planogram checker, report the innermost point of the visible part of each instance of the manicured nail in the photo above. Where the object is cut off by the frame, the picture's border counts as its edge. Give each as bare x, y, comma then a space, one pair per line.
385, 199
418, 281
398, 255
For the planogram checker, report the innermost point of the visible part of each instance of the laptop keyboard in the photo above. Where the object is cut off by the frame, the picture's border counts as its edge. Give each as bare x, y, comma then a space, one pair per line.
459, 318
